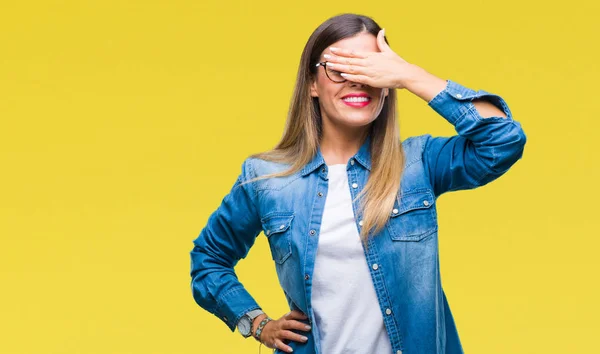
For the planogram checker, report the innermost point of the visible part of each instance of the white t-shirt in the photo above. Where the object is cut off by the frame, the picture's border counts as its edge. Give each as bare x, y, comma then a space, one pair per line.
346, 308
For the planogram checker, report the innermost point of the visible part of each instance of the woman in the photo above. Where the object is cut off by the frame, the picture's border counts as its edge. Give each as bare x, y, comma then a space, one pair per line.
350, 211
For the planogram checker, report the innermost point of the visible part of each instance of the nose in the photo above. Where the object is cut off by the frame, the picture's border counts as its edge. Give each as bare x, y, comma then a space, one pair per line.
355, 84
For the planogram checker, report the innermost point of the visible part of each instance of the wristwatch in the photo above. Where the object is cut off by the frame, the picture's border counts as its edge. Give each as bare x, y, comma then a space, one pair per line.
245, 323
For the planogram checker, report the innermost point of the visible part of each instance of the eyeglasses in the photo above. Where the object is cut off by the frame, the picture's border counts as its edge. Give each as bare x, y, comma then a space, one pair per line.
331, 74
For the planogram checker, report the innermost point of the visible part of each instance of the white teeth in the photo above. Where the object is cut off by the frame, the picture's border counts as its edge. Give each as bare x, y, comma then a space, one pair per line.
356, 99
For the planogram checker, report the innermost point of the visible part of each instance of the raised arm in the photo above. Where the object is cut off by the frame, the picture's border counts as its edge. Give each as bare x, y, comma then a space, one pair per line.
227, 237
488, 143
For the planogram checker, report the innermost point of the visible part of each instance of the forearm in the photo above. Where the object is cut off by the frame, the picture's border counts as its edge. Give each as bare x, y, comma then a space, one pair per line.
484, 148
423, 84
217, 289
427, 86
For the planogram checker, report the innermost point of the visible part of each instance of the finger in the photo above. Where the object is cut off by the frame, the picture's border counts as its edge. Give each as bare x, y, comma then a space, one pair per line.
363, 79
383, 46
293, 336
293, 324
348, 52
280, 345
350, 69
344, 60
295, 314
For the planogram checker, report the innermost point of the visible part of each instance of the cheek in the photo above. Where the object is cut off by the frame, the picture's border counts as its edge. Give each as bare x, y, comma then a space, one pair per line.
329, 97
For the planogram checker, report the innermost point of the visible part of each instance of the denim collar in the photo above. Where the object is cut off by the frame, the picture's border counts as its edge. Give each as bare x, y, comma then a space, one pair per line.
362, 156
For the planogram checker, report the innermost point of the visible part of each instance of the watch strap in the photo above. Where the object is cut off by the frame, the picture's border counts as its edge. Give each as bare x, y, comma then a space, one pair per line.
254, 313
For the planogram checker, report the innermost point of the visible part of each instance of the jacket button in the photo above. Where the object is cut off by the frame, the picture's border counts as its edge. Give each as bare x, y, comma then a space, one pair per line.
398, 351
320, 194
375, 266
360, 223
426, 203
306, 276
312, 232
458, 95
352, 161
395, 211
354, 185
388, 311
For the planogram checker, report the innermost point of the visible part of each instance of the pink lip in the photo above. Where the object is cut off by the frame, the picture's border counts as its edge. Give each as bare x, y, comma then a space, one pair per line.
356, 95
357, 104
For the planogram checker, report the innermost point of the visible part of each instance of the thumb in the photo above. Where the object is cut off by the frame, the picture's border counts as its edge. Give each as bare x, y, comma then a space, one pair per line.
383, 46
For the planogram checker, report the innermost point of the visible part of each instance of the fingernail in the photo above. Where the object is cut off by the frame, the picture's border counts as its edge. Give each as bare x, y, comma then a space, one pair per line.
307, 327
327, 56
304, 338
333, 49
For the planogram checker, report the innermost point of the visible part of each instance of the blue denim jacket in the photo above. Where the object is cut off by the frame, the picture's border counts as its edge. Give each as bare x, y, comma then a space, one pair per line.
407, 280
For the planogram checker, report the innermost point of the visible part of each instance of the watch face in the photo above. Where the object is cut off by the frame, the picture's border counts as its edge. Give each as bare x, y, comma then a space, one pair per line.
244, 326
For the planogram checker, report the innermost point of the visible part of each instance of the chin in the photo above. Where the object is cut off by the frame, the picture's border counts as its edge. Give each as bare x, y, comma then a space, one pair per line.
359, 119
359, 122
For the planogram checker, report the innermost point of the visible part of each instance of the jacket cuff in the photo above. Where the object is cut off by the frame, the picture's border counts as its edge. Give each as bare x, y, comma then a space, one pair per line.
233, 305
454, 102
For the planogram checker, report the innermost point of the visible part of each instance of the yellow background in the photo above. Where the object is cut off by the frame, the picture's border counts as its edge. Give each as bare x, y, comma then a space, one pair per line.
124, 123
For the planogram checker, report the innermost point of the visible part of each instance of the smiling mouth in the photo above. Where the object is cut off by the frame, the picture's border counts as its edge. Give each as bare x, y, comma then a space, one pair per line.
357, 102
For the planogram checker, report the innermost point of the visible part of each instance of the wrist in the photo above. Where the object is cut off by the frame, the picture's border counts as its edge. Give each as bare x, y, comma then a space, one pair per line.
256, 322
424, 84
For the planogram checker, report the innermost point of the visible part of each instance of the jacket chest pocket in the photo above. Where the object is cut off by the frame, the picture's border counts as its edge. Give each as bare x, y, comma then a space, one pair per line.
277, 228
413, 217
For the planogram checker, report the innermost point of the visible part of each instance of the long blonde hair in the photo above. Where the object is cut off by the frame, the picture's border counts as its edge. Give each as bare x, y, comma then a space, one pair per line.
303, 128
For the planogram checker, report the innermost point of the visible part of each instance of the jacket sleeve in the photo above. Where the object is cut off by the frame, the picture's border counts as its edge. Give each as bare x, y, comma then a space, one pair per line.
483, 150
227, 237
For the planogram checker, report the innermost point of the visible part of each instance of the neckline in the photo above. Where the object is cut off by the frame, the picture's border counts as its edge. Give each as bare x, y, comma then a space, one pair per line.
338, 168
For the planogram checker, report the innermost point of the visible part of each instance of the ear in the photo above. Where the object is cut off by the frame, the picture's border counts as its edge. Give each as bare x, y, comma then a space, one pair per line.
313, 88
386, 92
